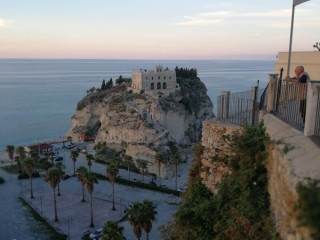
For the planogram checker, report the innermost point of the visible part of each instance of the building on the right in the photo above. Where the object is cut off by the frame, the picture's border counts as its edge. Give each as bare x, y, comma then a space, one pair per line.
310, 60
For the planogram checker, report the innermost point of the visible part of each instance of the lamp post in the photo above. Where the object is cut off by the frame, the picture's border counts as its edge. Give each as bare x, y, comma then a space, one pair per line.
294, 4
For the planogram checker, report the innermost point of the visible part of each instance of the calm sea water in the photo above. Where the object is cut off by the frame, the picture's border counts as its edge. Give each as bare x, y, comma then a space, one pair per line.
39, 97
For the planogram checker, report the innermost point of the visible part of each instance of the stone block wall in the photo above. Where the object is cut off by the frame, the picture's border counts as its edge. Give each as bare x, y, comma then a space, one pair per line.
213, 143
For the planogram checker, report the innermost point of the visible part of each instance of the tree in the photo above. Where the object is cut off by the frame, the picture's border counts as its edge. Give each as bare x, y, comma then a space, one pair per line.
10, 151
128, 161
134, 217
89, 160
112, 171
51, 155
149, 214
74, 155
143, 164
109, 84
29, 165
103, 85
159, 158
176, 160
59, 166
21, 156
89, 180
69, 138
81, 171
53, 177
111, 231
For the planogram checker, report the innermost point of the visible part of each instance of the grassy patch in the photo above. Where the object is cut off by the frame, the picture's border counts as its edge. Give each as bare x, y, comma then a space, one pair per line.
52, 233
11, 169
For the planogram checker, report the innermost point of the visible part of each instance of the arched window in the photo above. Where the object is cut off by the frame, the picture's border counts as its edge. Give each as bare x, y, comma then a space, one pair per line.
164, 85
158, 85
152, 86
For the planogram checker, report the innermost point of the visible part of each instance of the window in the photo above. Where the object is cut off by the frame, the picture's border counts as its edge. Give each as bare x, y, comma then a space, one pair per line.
164, 85
151, 78
152, 86
146, 78
164, 78
159, 77
158, 85
170, 77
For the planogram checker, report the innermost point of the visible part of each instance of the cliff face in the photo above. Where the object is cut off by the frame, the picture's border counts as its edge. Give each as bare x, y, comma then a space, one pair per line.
143, 124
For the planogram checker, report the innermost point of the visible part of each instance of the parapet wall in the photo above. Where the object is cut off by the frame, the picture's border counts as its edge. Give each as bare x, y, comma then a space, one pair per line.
285, 169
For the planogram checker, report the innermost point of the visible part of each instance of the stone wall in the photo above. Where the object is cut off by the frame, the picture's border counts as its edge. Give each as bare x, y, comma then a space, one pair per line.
213, 143
285, 169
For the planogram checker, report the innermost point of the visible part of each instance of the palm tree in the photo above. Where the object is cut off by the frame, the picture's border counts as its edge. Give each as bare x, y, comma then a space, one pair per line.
74, 155
51, 154
128, 160
81, 171
135, 218
22, 155
59, 166
159, 158
53, 177
69, 138
89, 159
89, 180
143, 164
112, 171
10, 151
29, 165
111, 231
149, 214
176, 160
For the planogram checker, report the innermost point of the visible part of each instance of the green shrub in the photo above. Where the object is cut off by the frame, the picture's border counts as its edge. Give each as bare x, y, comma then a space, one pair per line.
140, 185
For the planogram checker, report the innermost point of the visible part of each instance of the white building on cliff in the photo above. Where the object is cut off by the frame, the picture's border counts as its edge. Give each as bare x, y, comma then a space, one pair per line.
154, 81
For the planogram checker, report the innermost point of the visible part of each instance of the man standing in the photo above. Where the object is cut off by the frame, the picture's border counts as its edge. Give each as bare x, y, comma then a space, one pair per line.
301, 77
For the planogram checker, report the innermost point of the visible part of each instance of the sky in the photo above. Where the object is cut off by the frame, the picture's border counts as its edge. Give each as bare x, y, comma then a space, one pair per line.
146, 29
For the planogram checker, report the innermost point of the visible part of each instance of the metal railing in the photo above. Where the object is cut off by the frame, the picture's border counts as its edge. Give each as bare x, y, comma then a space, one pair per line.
264, 99
317, 122
291, 103
240, 107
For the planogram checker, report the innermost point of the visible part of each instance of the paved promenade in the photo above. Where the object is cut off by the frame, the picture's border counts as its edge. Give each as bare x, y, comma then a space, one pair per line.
73, 215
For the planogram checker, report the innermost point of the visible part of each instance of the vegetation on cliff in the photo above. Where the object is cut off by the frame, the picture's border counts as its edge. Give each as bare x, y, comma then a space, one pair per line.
308, 206
240, 209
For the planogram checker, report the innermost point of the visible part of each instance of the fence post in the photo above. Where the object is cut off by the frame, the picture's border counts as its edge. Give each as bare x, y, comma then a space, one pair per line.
272, 92
224, 109
313, 91
254, 94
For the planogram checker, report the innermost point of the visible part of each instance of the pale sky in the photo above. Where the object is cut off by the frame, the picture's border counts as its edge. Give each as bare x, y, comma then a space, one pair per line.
146, 29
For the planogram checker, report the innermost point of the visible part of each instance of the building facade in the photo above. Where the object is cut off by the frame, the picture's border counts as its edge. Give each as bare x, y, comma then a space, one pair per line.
154, 81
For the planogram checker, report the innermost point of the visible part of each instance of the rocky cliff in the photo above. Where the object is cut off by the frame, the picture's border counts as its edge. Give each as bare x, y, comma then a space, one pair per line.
143, 124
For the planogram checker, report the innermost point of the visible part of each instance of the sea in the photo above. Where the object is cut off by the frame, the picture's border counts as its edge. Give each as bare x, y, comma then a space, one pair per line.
38, 97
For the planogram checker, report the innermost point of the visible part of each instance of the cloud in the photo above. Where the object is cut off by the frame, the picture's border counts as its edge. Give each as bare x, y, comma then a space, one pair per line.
217, 17
5, 23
